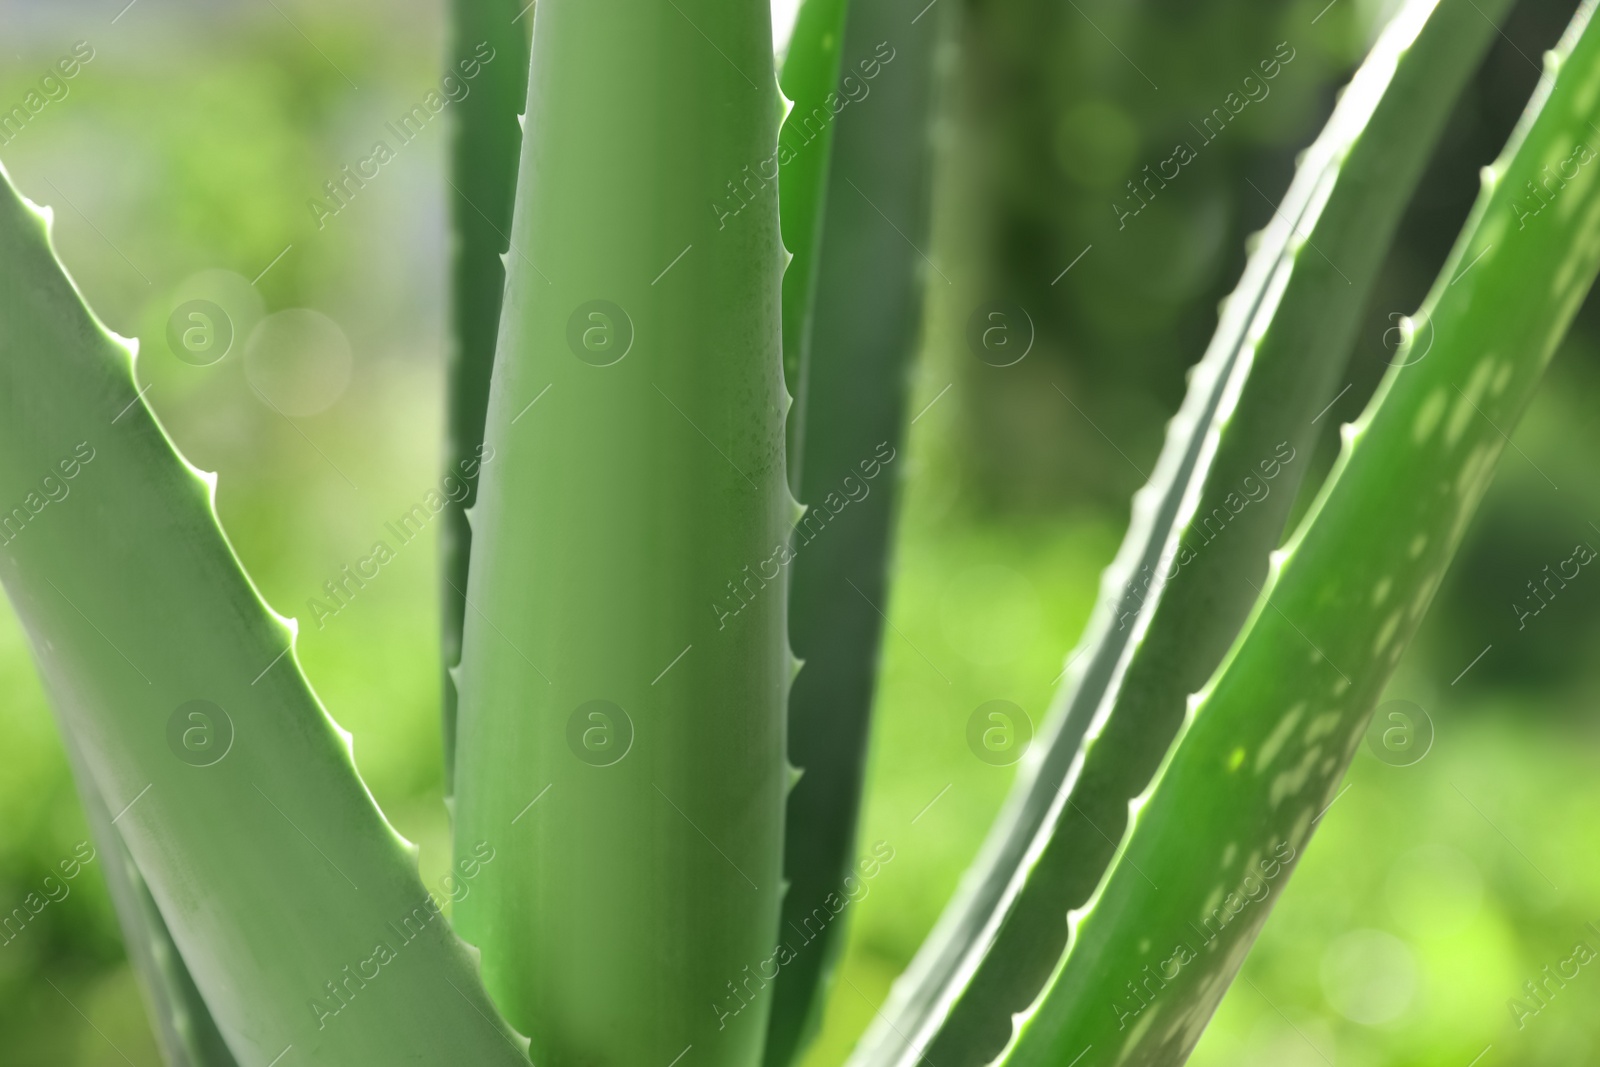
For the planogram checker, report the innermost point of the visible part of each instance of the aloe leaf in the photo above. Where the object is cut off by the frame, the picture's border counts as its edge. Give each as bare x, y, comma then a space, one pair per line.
276, 874
184, 1028
625, 665
809, 75
863, 332
1265, 743
483, 179
1197, 546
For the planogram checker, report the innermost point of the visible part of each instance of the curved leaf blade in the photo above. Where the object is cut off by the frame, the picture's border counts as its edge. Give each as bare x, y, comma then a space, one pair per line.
275, 872
863, 334
809, 73
1196, 550
1266, 743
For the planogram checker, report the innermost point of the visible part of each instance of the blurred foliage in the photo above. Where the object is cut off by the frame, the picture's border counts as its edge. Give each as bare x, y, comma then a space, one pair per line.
180, 163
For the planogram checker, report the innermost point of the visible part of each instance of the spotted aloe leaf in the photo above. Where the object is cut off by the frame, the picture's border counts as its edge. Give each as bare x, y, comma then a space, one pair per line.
625, 666
1266, 741
293, 903
483, 174
850, 414
1197, 548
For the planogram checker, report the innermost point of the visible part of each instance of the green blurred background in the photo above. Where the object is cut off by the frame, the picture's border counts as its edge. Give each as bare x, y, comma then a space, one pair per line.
180, 159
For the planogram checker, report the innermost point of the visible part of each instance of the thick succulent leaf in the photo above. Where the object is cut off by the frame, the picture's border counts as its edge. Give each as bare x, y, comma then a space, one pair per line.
809, 75
1197, 548
483, 176
285, 890
184, 1029
625, 666
1266, 743
864, 330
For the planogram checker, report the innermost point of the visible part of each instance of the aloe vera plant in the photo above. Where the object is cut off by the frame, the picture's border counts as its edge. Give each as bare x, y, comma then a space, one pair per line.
1342, 599
212, 821
602, 665
684, 344
1195, 557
